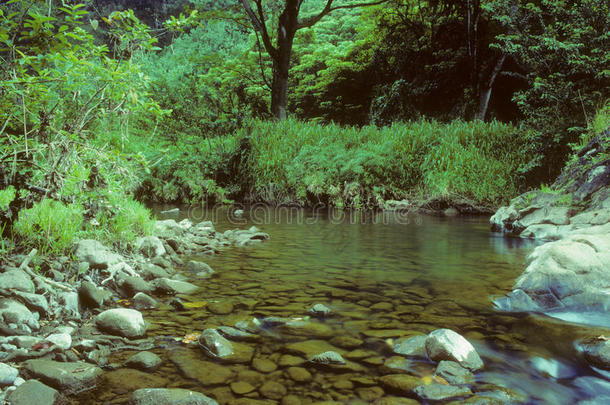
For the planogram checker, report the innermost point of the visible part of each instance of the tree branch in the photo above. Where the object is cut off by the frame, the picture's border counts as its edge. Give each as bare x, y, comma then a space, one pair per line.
308, 22
258, 22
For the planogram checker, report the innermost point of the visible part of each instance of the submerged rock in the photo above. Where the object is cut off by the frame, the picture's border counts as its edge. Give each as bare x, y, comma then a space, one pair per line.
445, 344
441, 392
169, 396
411, 346
145, 361
596, 351
320, 310
215, 345
122, 321
453, 373
66, 377
206, 373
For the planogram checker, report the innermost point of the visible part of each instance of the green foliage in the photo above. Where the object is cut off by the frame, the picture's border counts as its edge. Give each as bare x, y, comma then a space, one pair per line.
295, 161
50, 226
562, 48
6, 197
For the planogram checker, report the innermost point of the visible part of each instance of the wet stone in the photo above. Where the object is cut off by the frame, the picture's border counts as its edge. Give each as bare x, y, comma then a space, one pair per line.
145, 361
288, 360
359, 354
445, 344
346, 342
382, 307
402, 383
264, 365
298, 374
272, 390
219, 347
343, 385
453, 373
241, 387
309, 348
320, 310
66, 377
126, 380
329, 357
220, 308
370, 393
396, 401
172, 396
291, 400
441, 392
143, 301
397, 365
205, 373
411, 346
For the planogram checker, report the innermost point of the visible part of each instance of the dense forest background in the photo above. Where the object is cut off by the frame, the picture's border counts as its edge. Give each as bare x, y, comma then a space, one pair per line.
455, 102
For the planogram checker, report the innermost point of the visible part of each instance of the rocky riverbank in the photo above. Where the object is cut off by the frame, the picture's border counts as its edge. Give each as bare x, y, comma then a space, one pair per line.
56, 332
567, 277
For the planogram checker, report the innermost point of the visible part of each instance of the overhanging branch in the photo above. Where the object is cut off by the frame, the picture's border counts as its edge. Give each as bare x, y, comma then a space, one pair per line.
258, 22
309, 22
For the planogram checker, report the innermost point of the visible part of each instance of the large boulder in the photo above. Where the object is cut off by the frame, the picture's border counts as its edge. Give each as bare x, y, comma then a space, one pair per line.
64, 376
122, 322
445, 344
572, 274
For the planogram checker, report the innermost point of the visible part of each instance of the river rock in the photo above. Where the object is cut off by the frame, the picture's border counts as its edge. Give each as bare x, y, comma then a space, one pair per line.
445, 344
61, 340
92, 296
35, 302
122, 322
206, 373
150, 271
241, 387
272, 390
169, 396
64, 376
298, 374
169, 286
143, 301
566, 275
329, 357
199, 267
132, 285
150, 246
411, 346
263, 365
145, 361
218, 347
7, 374
402, 383
97, 255
309, 348
236, 334
220, 308
320, 310
169, 227
453, 373
34, 392
68, 305
441, 392
16, 279
17, 316
597, 352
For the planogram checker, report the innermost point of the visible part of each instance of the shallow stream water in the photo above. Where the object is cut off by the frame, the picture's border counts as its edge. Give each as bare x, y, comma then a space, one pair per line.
384, 276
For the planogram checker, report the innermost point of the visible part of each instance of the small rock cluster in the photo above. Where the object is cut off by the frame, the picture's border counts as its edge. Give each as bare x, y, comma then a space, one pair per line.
55, 333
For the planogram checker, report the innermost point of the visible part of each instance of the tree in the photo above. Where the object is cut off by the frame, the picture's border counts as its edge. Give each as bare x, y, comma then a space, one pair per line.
288, 23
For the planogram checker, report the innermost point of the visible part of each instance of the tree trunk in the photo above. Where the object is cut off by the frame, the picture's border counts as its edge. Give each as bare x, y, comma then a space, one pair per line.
486, 92
286, 30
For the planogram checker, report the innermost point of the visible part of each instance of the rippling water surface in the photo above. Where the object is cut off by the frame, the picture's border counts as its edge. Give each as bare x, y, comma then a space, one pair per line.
383, 277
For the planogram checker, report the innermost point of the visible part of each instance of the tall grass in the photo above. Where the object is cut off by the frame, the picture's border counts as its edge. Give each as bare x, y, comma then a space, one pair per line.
294, 161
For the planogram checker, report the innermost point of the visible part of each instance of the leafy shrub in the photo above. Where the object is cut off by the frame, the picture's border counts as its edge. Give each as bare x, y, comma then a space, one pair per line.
50, 226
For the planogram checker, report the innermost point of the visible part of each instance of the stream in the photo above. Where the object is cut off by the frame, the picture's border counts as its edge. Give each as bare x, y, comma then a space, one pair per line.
384, 276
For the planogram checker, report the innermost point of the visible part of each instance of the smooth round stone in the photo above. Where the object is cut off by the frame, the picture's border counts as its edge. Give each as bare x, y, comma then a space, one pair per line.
288, 360
220, 308
346, 342
272, 390
382, 306
343, 385
400, 382
298, 374
241, 387
8, 374
263, 365
441, 392
34, 392
291, 400
145, 361
162, 396
370, 393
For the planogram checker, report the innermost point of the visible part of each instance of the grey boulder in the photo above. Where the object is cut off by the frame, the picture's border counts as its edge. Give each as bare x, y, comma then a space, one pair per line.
122, 322
445, 344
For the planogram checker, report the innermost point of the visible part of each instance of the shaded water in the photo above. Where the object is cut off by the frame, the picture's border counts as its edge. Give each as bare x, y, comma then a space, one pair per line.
383, 277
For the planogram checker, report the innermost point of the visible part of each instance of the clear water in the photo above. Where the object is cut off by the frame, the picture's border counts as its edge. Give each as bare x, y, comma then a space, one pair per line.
427, 272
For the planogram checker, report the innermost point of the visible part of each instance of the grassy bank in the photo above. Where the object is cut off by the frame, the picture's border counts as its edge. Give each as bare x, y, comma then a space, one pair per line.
295, 162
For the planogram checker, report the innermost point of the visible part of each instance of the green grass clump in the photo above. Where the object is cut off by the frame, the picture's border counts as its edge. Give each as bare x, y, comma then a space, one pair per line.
6, 197
294, 161
49, 225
